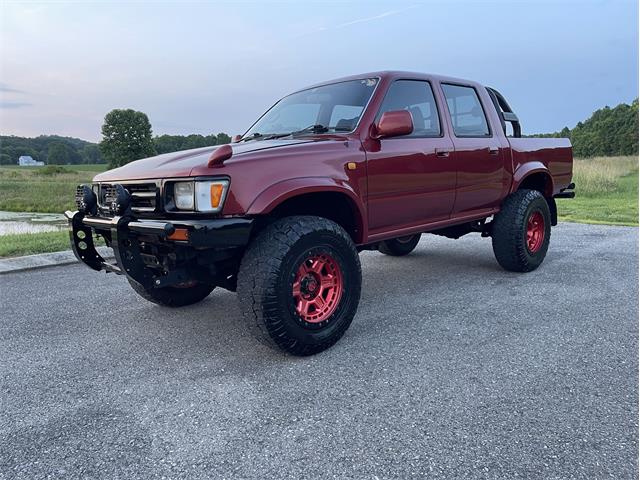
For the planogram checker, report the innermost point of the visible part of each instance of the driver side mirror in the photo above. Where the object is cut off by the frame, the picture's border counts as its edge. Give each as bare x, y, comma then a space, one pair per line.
236, 138
393, 124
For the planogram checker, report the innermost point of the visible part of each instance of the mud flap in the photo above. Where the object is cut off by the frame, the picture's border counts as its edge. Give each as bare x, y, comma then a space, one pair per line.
553, 209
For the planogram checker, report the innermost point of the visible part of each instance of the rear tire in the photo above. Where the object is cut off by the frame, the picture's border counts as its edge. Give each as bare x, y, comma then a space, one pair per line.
521, 231
173, 296
299, 284
398, 247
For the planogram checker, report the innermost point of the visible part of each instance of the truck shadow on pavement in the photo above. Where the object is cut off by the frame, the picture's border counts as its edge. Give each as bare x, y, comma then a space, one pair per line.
392, 287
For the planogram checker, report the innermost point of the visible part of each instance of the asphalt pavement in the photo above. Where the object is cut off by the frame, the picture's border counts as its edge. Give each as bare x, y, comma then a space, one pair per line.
453, 368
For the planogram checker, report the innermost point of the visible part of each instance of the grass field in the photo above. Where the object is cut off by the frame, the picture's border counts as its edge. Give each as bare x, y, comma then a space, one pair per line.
49, 189
87, 167
606, 192
30, 243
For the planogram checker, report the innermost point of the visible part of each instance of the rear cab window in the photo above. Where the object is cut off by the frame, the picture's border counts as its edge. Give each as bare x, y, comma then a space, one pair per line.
415, 96
466, 112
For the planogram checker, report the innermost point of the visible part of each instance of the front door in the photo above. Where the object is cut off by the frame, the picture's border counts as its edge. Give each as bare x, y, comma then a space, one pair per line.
411, 178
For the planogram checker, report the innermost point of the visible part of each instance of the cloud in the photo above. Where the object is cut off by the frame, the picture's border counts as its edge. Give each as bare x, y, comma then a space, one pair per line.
4, 88
11, 104
360, 20
5, 104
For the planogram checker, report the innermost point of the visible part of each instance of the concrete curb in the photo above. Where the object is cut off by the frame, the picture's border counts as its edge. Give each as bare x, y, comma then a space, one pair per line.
30, 262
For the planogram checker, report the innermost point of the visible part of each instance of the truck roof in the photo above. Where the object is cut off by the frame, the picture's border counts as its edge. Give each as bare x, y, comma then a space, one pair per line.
395, 74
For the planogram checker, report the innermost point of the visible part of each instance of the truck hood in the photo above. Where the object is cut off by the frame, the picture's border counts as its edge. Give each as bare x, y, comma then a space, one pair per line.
180, 164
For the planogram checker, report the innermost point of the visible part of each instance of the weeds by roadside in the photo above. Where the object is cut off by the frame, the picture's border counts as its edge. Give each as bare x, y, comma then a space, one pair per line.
601, 175
606, 192
30, 243
49, 189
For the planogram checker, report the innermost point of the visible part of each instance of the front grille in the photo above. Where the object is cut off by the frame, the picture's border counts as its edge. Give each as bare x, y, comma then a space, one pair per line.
143, 196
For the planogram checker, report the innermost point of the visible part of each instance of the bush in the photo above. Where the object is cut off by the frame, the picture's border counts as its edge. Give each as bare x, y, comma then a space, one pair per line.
52, 170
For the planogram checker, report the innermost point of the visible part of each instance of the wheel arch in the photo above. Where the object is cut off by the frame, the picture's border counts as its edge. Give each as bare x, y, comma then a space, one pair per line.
533, 176
536, 176
322, 197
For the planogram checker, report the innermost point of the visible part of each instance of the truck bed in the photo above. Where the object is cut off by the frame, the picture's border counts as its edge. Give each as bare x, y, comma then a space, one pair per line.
554, 153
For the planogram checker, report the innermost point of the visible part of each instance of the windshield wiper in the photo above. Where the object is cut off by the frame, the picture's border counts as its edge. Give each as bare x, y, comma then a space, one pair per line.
275, 135
260, 136
312, 129
253, 136
270, 136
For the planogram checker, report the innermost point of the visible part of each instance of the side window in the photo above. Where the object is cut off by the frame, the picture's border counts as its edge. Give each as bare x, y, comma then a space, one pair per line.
466, 112
416, 96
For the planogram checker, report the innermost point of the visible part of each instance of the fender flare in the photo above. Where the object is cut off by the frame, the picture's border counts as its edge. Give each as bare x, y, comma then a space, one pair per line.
274, 195
528, 169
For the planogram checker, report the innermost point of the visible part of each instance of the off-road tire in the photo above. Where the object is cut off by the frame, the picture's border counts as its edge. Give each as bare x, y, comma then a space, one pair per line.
267, 274
509, 231
173, 296
398, 247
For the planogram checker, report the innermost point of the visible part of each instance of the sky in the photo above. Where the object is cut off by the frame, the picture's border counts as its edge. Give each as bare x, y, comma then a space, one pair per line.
209, 67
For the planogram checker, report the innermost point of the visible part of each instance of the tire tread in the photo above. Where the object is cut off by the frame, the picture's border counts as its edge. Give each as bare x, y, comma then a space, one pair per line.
506, 231
257, 276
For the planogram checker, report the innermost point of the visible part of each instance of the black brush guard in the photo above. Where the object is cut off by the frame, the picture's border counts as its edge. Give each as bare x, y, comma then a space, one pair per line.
125, 232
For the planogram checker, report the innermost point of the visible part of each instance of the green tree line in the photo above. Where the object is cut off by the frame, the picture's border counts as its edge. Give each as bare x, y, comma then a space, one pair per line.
55, 150
175, 143
51, 149
608, 132
126, 136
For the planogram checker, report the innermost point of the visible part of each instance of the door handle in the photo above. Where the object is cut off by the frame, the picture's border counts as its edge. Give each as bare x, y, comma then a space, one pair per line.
494, 150
442, 152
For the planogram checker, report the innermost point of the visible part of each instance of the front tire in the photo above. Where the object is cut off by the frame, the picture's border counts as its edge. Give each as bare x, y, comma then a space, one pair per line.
173, 296
521, 231
398, 247
299, 284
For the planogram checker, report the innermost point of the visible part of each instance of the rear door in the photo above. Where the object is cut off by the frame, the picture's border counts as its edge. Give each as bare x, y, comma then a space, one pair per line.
411, 178
480, 153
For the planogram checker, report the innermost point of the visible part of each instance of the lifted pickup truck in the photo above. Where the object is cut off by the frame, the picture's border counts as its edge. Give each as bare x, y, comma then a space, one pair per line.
360, 163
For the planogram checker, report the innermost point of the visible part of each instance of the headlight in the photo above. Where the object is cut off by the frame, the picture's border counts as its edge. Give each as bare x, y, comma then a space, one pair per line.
183, 195
204, 196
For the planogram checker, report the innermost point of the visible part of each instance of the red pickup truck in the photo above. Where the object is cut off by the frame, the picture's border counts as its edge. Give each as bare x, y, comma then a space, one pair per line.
368, 162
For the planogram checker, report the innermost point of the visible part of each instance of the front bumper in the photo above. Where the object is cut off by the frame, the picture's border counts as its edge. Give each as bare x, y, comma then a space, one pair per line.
129, 237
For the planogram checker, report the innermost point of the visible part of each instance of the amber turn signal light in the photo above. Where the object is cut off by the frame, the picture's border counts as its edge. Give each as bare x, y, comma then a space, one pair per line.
181, 234
217, 189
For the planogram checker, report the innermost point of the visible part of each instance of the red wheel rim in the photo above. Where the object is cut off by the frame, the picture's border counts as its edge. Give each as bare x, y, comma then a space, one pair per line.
535, 232
317, 288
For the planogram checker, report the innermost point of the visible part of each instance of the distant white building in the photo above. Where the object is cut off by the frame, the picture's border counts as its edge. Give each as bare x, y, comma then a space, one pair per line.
27, 161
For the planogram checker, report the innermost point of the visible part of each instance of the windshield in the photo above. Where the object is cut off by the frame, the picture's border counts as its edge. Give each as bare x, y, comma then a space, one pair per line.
336, 107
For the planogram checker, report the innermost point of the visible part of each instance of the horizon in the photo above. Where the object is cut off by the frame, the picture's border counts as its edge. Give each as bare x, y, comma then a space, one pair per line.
215, 133
53, 84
